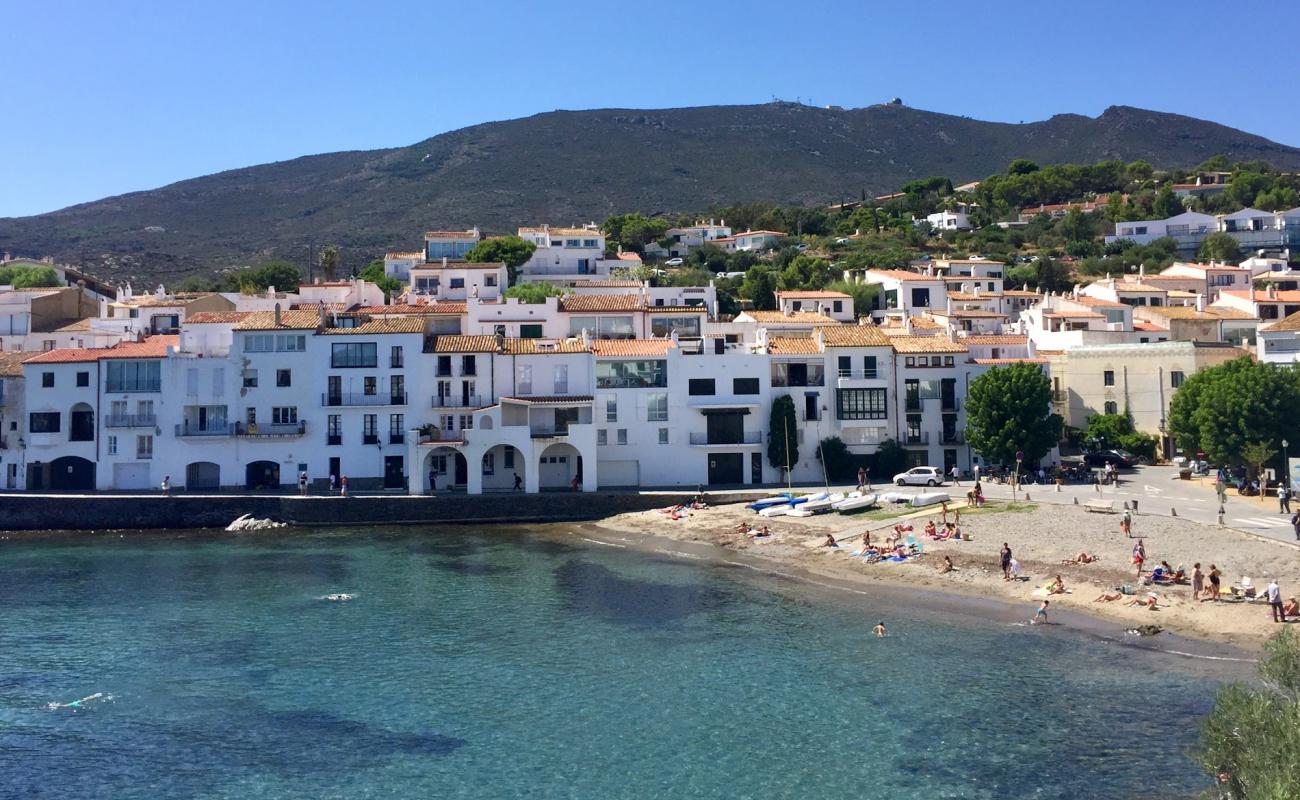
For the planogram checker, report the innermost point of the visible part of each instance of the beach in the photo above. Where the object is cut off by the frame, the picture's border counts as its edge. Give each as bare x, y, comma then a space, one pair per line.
1041, 537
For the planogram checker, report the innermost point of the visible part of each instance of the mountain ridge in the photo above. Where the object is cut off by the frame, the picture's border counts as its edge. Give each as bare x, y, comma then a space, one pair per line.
568, 166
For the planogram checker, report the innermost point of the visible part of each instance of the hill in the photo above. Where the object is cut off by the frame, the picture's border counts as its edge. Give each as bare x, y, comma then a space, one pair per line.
568, 166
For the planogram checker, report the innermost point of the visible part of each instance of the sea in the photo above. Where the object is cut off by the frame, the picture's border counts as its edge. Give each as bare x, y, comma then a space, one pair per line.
448, 662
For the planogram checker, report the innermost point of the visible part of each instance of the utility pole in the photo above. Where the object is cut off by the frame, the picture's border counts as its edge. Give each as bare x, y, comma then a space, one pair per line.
789, 482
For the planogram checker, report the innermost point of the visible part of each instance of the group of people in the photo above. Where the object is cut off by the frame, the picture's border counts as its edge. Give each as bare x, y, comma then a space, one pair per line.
755, 532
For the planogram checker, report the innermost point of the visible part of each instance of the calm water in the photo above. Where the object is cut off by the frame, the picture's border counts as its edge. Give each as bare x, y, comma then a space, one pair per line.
491, 664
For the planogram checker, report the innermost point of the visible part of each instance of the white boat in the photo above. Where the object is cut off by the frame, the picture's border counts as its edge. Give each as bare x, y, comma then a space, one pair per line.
855, 502
929, 499
811, 507
892, 497
775, 511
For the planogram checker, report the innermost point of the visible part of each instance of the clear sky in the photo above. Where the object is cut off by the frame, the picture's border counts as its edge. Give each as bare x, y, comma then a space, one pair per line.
102, 97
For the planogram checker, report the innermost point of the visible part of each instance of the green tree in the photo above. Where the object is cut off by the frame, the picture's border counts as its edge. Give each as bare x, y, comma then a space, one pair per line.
509, 250
374, 272
1166, 204
1117, 431
1257, 455
1021, 166
782, 428
805, 272
634, 231
1008, 409
533, 293
194, 283
1219, 246
29, 276
864, 295
891, 459
759, 288
253, 280
1076, 226
329, 263
1250, 743
835, 456
1223, 409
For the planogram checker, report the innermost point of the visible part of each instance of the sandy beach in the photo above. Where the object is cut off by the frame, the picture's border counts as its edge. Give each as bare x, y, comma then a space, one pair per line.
1041, 538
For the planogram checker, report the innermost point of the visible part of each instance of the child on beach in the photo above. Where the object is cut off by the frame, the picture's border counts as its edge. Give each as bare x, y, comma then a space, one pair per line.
1015, 570
1139, 556
946, 567
1041, 613
1006, 561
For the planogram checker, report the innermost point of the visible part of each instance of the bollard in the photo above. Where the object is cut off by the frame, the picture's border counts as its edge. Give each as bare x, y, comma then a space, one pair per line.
1058, 487
1173, 512
1220, 519
1126, 505
1076, 501
1026, 497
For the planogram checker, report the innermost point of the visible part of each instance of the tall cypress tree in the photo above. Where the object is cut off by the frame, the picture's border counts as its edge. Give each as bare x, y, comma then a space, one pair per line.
782, 427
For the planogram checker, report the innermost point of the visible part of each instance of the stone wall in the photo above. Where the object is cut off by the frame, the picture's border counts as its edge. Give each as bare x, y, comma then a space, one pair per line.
105, 512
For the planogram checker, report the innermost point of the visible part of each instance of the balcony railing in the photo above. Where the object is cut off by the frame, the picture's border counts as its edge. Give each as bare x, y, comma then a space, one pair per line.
749, 437
949, 404
953, 437
334, 439
130, 421
917, 438
913, 404
355, 399
271, 429
370, 438
859, 374
143, 455
458, 401
541, 432
186, 429
397, 438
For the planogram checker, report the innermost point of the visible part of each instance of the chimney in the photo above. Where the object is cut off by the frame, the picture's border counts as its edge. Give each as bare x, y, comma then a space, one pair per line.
907, 324
1200, 302
277, 315
444, 262
1142, 270
321, 309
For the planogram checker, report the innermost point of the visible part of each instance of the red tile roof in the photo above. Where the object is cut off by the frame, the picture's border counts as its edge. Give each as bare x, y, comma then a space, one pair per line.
995, 339
416, 308
550, 399
153, 347
792, 346
994, 361
615, 348
903, 275
813, 295
601, 302
215, 317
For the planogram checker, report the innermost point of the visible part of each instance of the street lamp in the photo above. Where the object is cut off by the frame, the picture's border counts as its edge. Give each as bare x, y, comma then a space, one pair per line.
1015, 480
1286, 464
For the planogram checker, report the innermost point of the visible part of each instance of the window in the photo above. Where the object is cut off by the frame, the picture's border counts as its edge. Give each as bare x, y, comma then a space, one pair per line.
1111, 407
508, 461
284, 415
530, 331
468, 365
444, 366
910, 361
861, 404
457, 283
602, 436
868, 366
275, 343
744, 386
631, 374
448, 422
334, 429
1176, 379
250, 379
112, 445
397, 389
921, 298
134, 376
1108, 377
837, 306
250, 416
47, 380
396, 428
489, 280
144, 410
283, 377
561, 378
369, 385
698, 387
489, 464
949, 361
611, 408
144, 446
43, 422
657, 407
83, 378
466, 422
662, 326
370, 429
622, 435
525, 379
663, 436
347, 355
395, 357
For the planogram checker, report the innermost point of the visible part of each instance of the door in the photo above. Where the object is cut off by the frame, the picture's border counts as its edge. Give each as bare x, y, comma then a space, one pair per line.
131, 476
949, 461
335, 389
755, 468
726, 468
336, 468
620, 473
462, 470
393, 478
725, 428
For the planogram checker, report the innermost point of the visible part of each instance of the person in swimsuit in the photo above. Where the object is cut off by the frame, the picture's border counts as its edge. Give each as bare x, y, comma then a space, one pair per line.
1041, 614
947, 566
830, 541
879, 630
1006, 561
1057, 586
1198, 581
1139, 556
1214, 583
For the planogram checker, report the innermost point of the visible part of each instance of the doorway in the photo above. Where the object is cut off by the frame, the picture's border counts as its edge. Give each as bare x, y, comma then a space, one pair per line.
726, 468
393, 478
755, 468
262, 475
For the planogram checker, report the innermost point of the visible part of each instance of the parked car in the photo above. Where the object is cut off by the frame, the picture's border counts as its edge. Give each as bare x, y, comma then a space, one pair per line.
920, 476
1101, 458
675, 262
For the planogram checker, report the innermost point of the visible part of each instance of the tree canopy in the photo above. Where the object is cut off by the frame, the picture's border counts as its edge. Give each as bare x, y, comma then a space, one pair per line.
252, 280
509, 250
1224, 409
782, 428
1116, 431
374, 272
1219, 246
533, 293
28, 276
1008, 409
329, 263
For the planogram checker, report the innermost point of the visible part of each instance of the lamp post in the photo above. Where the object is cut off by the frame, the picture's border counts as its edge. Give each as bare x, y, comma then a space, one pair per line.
1015, 480
1286, 465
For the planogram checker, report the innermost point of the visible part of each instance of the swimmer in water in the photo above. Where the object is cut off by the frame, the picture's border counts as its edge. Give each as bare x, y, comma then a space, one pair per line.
340, 596
879, 630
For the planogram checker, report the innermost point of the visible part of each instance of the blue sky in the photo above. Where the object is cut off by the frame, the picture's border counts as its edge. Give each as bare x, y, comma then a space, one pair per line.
102, 98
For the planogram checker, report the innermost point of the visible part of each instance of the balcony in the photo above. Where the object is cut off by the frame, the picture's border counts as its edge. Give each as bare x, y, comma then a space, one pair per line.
953, 437
913, 404
458, 401
949, 404
370, 438
355, 399
334, 439
548, 432
749, 437
186, 429
917, 438
274, 429
397, 438
851, 378
130, 421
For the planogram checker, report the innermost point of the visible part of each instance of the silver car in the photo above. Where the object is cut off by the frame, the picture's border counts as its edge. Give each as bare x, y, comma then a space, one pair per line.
920, 476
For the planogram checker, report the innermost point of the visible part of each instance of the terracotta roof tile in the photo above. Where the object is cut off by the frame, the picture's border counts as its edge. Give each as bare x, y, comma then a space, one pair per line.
595, 303
153, 347
615, 348
11, 363
563, 231
379, 326
416, 308
405, 256
676, 310
1095, 302
1148, 327
1288, 323
214, 317
996, 339
967, 312
611, 284
853, 336
453, 264
814, 295
903, 275
792, 346
797, 318
995, 361
488, 344
470, 234
926, 344
550, 399
289, 320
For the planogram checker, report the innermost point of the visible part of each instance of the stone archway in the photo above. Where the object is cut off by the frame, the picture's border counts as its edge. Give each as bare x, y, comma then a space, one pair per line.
445, 469
72, 473
501, 464
558, 465
262, 475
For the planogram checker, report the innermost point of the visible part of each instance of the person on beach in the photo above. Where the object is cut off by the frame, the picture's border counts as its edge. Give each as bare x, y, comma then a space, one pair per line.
1015, 570
1005, 558
1041, 614
1295, 525
930, 530
1148, 602
879, 630
956, 475
1107, 597
946, 566
1083, 557
1291, 609
862, 479
166, 485
1214, 583
302, 483
1284, 499
1126, 523
830, 541
519, 483
433, 482
1273, 594
1057, 586
1139, 557
334, 483
1198, 580
343, 485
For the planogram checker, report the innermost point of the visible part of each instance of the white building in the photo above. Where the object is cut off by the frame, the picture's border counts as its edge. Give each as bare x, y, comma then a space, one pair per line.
948, 221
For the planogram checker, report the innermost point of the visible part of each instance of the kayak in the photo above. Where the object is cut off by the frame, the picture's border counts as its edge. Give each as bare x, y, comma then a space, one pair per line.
767, 502
855, 503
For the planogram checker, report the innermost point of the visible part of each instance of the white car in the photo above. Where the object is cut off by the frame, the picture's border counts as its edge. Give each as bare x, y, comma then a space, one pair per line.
675, 262
920, 476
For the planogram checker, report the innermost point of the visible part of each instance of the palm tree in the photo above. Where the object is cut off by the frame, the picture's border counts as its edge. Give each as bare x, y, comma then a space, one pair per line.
329, 262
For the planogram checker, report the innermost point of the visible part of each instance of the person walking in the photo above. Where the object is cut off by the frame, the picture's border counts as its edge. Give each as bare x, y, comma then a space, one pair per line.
343, 485
433, 482
1214, 583
519, 483
1295, 525
302, 483
334, 483
1273, 593
1126, 523
1005, 557
975, 471
166, 485
862, 478
1041, 614
956, 474
1139, 558
1198, 580
1284, 499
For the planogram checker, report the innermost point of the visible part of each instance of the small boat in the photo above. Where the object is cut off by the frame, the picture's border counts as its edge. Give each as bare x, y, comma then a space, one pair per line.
775, 511
812, 507
930, 499
855, 503
768, 502
892, 497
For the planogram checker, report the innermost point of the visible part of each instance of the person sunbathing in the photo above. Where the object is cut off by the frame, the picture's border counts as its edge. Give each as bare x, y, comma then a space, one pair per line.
930, 530
952, 531
830, 541
1106, 597
743, 528
946, 566
1083, 557
1162, 574
1148, 602
1291, 608
1057, 586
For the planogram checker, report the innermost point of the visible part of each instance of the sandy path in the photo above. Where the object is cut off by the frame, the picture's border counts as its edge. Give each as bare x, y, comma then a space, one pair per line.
1041, 537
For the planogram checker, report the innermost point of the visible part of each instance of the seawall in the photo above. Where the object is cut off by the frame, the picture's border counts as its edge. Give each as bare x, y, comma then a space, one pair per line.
30, 512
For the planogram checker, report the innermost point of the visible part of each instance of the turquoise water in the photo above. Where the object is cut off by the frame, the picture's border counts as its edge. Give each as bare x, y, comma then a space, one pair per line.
493, 664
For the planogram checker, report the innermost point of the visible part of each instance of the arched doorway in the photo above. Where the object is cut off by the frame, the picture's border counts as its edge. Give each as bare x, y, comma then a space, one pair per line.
262, 475
500, 466
202, 475
81, 423
72, 473
558, 465
445, 468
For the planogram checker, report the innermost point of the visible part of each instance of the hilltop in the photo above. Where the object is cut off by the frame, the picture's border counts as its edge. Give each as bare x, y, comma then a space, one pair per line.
567, 166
